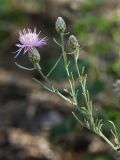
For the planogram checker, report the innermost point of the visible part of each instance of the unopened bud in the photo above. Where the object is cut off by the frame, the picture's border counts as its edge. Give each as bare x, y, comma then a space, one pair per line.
73, 43
60, 25
34, 56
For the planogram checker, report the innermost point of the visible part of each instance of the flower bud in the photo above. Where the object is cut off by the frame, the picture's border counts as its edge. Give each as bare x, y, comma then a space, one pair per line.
60, 25
73, 43
34, 56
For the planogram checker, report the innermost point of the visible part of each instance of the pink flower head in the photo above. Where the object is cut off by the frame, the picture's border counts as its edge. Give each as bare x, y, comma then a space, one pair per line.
28, 41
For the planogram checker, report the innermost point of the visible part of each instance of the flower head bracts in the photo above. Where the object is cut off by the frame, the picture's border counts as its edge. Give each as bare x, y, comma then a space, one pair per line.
28, 41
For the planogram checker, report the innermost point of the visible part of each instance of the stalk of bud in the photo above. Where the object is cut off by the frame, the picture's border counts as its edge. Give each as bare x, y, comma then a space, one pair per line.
60, 25
34, 56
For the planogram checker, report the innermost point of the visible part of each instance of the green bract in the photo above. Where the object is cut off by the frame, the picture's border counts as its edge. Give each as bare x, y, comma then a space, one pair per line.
60, 25
34, 56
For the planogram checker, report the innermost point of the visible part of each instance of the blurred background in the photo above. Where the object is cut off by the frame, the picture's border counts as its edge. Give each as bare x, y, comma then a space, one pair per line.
36, 125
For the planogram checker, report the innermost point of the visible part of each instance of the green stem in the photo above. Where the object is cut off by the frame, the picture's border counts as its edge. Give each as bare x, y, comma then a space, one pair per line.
86, 95
107, 140
72, 87
37, 66
63, 50
25, 68
89, 107
54, 66
52, 89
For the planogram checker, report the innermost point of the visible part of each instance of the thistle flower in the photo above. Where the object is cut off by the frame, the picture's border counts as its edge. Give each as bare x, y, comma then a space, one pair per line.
28, 41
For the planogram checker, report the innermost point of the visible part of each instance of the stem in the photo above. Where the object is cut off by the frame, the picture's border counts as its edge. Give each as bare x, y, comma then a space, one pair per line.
54, 66
63, 97
37, 66
89, 107
25, 68
77, 118
43, 85
82, 81
52, 89
72, 87
63, 50
107, 140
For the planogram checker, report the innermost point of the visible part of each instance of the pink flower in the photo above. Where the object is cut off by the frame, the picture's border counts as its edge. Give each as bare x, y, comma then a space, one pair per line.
29, 40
